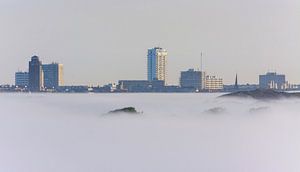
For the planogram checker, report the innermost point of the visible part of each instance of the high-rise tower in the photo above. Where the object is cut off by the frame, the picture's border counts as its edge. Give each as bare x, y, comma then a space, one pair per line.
53, 75
36, 79
157, 59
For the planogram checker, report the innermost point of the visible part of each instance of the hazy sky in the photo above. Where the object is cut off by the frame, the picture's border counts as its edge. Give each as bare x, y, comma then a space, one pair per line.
102, 41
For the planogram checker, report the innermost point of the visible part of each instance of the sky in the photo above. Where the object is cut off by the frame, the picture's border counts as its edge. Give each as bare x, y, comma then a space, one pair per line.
101, 41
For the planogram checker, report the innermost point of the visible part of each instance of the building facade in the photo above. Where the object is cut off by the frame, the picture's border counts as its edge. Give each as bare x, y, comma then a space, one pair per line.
192, 79
36, 79
141, 86
213, 84
156, 62
53, 75
272, 80
21, 79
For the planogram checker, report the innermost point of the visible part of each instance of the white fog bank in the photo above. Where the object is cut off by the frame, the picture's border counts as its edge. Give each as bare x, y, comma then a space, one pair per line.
175, 133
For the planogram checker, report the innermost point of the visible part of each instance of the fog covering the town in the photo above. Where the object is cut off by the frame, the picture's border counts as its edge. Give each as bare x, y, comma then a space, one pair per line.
175, 133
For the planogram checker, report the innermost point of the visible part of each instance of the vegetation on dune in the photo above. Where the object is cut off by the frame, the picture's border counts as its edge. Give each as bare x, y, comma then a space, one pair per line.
130, 110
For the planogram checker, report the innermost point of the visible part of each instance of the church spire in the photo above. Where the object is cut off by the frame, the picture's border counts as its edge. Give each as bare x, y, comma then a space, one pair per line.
236, 85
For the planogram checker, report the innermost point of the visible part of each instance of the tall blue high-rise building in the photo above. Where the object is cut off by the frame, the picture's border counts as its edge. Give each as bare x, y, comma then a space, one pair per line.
53, 75
36, 79
156, 64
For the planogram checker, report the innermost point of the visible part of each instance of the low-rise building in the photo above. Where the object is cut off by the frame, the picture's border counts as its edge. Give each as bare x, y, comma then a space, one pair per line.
21, 79
272, 80
192, 79
140, 85
73, 89
213, 84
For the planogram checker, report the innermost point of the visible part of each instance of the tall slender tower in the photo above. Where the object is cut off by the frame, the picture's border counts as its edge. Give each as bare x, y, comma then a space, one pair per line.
36, 79
157, 59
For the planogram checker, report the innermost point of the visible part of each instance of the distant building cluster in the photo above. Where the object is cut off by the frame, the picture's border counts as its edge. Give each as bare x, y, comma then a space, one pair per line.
40, 77
190, 80
49, 78
200, 82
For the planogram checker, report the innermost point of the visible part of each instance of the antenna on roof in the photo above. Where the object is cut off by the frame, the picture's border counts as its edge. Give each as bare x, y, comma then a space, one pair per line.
201, 60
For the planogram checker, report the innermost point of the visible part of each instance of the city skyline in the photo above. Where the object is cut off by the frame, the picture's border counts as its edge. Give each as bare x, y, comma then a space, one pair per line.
60, 79
248, 38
